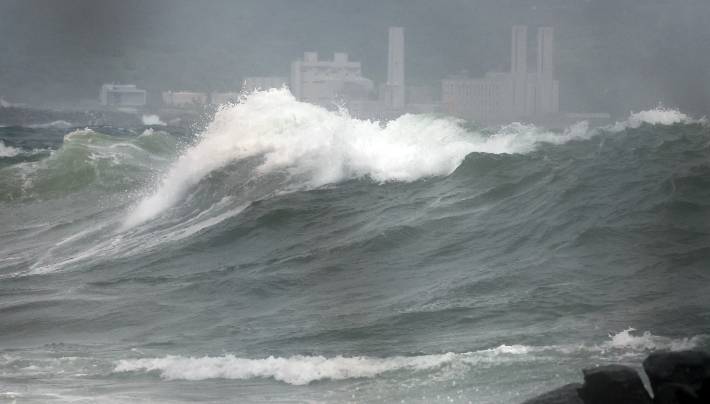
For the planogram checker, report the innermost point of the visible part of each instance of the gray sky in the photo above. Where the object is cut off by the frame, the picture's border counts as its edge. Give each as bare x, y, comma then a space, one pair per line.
610, 55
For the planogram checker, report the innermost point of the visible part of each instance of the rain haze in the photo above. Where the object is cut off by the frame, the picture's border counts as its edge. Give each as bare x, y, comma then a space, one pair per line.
610, 56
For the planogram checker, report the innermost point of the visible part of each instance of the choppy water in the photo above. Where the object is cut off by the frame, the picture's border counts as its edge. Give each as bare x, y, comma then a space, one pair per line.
291, 254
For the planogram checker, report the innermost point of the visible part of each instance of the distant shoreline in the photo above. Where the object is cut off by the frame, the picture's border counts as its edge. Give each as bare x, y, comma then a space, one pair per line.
25, 116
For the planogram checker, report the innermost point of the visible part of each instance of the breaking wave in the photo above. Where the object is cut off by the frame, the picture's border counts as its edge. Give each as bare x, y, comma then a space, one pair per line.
314, 147
657, 116
8, 151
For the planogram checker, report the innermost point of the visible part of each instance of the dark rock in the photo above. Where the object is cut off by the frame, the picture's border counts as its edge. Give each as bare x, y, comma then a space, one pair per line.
613, 384
566, 394
689, 368
673, 393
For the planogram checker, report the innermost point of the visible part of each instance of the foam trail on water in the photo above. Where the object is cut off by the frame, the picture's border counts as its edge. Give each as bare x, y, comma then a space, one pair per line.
322, 147
299, 370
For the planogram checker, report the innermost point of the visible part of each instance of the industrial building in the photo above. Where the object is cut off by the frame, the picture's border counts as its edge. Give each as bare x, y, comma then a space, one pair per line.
322, 82
122, 95
517, 94
497, 97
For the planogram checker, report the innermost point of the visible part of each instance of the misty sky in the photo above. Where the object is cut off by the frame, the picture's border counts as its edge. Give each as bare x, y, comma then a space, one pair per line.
610, 55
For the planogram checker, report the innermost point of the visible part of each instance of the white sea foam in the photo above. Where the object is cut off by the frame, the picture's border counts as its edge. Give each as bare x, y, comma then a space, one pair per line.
8, 151
655, 116
297, 370
300, 370
152, 120
508, 349
323, 147
624, 340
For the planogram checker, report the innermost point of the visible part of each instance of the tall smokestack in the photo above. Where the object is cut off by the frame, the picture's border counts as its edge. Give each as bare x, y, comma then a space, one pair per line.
395, 65
518, 60
544, 52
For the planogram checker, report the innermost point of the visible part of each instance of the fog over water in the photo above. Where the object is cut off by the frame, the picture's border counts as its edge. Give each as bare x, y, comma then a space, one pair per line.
610, 56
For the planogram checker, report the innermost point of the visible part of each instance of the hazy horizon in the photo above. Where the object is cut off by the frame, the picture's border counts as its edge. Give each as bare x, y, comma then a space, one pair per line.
610, 56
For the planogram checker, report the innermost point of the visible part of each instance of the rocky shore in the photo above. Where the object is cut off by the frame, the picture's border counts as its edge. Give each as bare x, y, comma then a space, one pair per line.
675, 377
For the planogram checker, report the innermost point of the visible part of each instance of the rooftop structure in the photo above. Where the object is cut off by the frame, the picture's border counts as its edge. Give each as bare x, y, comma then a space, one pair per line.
322, 81
122, 95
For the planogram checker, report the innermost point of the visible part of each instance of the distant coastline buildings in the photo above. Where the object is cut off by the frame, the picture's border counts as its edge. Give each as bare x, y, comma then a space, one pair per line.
496, 97
122, 95
508, 95
338, 83
183, 98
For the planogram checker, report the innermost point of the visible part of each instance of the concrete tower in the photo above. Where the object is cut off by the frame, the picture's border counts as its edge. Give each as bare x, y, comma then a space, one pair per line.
395, 67
547, 89
544, 52
518, 60
519, 70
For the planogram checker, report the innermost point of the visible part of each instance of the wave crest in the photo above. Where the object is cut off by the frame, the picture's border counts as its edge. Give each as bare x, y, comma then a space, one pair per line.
657, 116
8, 151
314, 147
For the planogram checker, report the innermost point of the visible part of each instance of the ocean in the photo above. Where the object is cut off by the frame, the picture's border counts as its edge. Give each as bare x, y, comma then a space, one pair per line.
290, 254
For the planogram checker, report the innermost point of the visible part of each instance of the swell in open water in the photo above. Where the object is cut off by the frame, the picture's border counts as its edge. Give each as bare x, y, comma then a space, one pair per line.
292, 254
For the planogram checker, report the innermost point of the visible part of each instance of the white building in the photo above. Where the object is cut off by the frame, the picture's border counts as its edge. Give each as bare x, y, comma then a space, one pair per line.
321, 82
122, 95
183, 98
508, 95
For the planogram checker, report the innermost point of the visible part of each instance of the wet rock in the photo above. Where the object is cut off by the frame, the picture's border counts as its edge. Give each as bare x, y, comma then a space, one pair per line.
673, 393
668, 372
566, 394
613, 384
